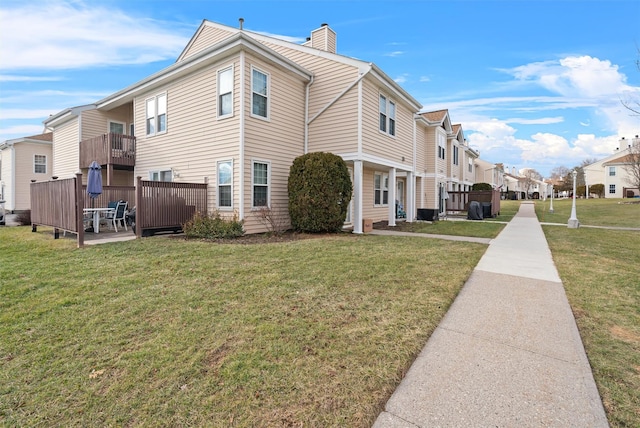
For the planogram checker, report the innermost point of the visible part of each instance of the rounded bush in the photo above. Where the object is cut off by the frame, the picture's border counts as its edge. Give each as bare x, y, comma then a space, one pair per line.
319, 192
482, 186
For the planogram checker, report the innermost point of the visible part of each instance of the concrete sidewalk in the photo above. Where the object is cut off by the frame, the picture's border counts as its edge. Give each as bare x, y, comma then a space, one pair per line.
507, 353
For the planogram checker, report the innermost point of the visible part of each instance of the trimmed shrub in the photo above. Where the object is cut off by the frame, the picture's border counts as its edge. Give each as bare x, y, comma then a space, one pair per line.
481, 186
23, 218
213, 226
597, 189
319, 192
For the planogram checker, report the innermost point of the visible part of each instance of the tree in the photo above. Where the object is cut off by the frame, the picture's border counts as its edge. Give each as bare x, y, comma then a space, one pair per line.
531, 178
633, 103
632, 165
319, 192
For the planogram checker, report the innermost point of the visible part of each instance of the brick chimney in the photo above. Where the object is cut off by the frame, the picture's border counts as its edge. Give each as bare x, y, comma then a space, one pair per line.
324, 38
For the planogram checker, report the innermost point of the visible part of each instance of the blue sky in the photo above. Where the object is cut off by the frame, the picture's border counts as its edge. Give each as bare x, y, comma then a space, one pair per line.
534, 84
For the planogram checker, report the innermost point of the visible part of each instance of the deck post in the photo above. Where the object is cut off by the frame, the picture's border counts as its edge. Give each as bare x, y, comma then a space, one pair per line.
79, 209
139, 208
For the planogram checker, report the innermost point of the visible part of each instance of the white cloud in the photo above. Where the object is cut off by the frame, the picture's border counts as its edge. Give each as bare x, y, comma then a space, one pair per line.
18, 131
15, 78
394, 54
425, 79
72, 35
401, 79
7, 114
539, 121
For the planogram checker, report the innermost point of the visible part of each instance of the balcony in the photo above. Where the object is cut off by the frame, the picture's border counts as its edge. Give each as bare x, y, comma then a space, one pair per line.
109, 149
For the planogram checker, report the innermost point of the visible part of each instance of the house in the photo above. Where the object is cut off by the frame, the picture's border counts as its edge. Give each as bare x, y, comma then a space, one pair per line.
238, 107
490, 173
21, 161
612, 170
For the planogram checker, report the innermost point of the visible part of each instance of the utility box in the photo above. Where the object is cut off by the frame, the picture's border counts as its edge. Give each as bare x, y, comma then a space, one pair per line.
367, 225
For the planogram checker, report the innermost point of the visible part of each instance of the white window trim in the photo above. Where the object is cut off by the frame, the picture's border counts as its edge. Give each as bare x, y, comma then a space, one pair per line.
612, 171
222, 70
268, 117
442, 145
155, 117
383, 177
230, 208
268, 163
388, 118
124, 126
44, 164
160, 171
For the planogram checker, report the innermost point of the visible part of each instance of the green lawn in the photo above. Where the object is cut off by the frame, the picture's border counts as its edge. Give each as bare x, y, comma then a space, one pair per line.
600, 270
593, 212
163, 331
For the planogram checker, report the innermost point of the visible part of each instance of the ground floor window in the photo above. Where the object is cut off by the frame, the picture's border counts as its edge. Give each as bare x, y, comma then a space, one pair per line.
260, 184
160, 175
40, 164
380, 189
225, 177
612, 188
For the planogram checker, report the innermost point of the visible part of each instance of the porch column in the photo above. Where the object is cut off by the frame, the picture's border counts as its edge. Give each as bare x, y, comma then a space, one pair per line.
411, 197
357, 196
392, 197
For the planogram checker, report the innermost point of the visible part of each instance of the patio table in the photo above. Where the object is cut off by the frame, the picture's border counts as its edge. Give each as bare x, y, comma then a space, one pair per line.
96, 216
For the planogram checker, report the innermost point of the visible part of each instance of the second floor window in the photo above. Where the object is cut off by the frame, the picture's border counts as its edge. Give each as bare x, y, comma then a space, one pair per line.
441, 146
470, 165
156, 113
387, 110
40, 164
225, 92
455, 155
259, 93
612, 171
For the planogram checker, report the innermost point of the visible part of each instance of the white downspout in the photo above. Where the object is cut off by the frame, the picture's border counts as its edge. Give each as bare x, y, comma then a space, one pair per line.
306, 115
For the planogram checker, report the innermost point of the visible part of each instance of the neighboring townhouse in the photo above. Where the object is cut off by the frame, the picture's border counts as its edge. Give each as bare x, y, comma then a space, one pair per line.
611, 171
444, 161
21, 161
513, 186
238, 107
491, 173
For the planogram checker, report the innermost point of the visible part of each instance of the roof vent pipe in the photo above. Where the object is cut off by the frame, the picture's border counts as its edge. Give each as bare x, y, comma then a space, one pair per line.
241, 22
324, 24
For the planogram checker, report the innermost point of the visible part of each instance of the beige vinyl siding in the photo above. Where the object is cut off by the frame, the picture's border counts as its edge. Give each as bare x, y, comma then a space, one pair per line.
431, 150
421, 150
431, 193
24, 170
277, 141
96, 122
195, 139
336, 130
207, 37
66, 149
377, 213
378, 143
330, 77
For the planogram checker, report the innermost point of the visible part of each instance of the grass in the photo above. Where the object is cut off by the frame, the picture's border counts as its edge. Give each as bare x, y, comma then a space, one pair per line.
601, 275
593, 212
168, 332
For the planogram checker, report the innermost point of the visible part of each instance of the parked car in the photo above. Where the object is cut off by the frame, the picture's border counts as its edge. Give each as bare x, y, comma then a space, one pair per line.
2, 220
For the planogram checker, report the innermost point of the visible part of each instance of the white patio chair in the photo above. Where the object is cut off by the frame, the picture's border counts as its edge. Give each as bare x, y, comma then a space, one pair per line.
119, 215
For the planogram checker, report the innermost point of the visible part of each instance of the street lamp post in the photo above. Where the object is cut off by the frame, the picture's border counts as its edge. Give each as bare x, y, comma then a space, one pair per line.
586, 185
551, 205
573, 222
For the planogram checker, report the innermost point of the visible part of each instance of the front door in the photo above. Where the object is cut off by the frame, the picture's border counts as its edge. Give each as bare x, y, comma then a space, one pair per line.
400, 208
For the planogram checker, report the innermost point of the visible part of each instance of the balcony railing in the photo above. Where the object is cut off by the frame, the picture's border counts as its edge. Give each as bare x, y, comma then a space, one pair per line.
114, 149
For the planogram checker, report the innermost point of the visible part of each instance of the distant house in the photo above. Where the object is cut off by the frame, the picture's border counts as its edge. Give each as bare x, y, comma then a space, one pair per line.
22, 160
237, 108
491, 173
611, 171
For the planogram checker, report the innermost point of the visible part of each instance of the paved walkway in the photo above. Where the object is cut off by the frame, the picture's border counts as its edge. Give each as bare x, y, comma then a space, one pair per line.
507, 353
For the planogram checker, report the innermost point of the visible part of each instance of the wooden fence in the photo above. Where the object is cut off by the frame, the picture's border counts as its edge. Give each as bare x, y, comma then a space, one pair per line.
159, 205
162, 205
